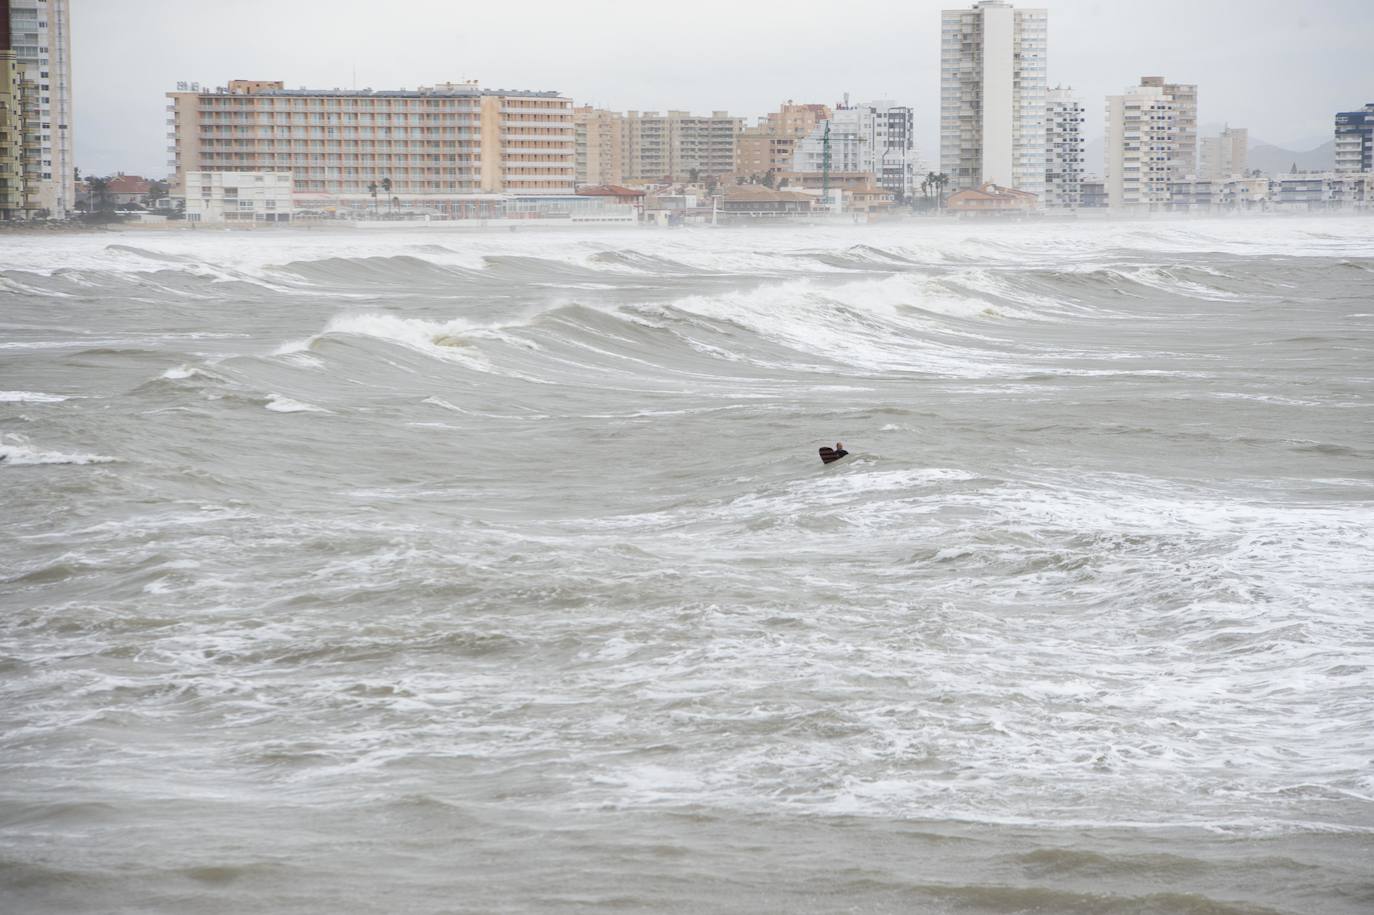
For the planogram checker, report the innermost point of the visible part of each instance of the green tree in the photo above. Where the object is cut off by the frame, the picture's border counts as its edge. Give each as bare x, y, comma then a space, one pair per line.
100, 192
372, 189
386, 186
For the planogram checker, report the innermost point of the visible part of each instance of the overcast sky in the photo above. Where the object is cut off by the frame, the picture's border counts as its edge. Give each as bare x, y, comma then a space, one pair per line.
1279, 67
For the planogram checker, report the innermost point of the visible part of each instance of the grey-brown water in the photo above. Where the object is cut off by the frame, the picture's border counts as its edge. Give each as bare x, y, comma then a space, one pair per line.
431, 572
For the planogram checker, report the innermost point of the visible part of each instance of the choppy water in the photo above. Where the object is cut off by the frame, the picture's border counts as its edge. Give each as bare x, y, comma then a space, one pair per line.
427, 572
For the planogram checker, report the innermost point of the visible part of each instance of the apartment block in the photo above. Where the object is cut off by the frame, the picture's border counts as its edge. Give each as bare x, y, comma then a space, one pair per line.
1224, 155
679, 146
11, 128
1355, 140
600, 146
768, 147
1183, 160
1226, 193
1142, 147
434, 145
1064, 148
872, 137
993, 86
40, 36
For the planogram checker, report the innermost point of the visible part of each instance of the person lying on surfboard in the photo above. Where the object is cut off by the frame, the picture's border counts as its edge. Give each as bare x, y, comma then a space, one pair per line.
831, 455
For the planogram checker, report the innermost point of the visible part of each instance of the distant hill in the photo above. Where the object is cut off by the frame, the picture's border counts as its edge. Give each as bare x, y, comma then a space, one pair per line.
1275, 160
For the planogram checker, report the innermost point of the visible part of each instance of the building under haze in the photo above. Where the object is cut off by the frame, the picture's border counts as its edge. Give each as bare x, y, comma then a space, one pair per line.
679, 146
1142, 144
1224, 155
1183, 158
40, 37
436, 148
600, 146
1355, 140
876, 138
768, 147
1064, 146
993, 82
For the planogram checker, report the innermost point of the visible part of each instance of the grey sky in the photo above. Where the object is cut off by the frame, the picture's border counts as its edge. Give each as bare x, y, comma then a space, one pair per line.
1279, 67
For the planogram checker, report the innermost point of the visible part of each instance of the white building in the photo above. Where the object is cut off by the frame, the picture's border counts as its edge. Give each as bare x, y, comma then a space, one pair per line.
1226, 154
238, 197
993, 62
40, 31
1064, 147
874, 137
1142, 141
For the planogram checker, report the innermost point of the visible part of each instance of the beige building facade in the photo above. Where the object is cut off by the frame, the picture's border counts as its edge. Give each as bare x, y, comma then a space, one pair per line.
679, 146
600, 146
769, 146
434, 146
40, 36
1225, 155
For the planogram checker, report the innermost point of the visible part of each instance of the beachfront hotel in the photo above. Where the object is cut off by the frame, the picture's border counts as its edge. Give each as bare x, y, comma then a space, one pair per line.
446, 149
993, 82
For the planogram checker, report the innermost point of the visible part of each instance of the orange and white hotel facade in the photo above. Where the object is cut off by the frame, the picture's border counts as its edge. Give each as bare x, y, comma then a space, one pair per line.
453, 148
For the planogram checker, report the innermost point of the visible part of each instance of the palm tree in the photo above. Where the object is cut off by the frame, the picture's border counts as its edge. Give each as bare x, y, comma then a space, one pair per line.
99, 192
372, 189
386, 186
940, 181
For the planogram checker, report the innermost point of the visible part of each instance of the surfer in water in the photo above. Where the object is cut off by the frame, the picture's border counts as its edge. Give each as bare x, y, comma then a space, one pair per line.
831, 455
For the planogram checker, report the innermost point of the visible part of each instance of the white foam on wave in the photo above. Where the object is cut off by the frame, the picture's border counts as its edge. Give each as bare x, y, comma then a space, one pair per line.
19, 450
30, 397
279, 404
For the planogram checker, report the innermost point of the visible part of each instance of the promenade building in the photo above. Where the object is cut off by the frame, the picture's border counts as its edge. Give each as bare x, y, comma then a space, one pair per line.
679, 146
238, 197
1183, 159
1142, 145
1224, 155
873, 137
768, 147
438, 148
599, 137
993, 84
1064, 148
1355, 140
40, 37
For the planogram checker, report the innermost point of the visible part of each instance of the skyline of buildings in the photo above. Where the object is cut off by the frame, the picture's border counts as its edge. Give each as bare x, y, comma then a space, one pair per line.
441, 147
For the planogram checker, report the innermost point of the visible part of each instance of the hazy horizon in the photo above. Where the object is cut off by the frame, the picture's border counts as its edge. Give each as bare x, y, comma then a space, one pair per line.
1288, 74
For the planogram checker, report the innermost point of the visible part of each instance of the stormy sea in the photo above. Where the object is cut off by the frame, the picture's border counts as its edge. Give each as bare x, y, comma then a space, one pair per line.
424, 571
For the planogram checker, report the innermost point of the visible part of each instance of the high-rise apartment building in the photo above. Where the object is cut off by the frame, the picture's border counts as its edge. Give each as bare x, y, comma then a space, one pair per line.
11, 126
1224, 155
873, 137
1355, 140
993, 81
679, 146
1183, 161
433, 146
1142, 145
600, 146
40, 35
769, 145
1064, 147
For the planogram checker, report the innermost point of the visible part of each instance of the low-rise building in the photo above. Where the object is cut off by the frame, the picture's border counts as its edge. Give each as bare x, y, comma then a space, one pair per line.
754, 201
1215, 195
1324, 191
992, 200
216, 198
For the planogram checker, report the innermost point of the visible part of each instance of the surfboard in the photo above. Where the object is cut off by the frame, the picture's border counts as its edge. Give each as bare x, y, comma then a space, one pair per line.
830, 455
